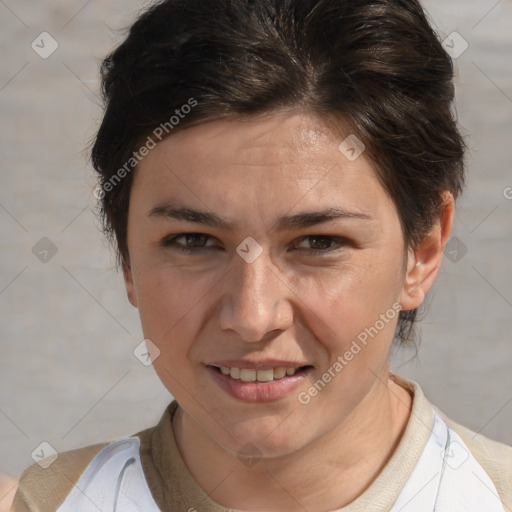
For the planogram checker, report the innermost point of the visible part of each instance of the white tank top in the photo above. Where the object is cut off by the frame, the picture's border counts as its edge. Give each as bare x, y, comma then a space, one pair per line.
447, 478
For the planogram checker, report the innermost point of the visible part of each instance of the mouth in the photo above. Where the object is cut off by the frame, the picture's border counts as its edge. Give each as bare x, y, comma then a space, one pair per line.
261, 384
260, 375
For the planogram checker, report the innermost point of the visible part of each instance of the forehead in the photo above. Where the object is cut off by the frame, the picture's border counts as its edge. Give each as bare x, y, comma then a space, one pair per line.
267, 164
298, 145
280, 138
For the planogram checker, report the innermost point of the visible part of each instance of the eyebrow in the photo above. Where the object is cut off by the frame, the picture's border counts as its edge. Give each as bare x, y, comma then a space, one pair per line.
287, 222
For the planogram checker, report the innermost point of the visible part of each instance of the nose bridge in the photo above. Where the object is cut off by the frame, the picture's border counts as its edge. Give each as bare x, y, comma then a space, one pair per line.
255, 300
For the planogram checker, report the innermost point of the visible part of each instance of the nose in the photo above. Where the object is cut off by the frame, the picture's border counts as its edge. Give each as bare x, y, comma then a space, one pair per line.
256, 300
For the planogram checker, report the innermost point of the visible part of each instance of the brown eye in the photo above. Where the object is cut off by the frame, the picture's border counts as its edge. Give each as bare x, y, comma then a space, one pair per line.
194, 242
194, 239
323, 244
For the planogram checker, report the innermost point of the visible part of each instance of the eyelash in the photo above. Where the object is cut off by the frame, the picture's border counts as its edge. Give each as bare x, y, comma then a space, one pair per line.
170, 243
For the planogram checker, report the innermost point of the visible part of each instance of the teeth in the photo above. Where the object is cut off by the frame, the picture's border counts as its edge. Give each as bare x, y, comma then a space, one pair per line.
265, 375
280, 372
248, 375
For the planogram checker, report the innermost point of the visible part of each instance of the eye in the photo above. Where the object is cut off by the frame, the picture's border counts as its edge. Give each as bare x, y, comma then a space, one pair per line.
322, 243
196, 240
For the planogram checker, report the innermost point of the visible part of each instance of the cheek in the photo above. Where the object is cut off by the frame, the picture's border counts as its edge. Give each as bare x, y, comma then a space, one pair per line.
168, 307
353, 316
342, 303
168, 302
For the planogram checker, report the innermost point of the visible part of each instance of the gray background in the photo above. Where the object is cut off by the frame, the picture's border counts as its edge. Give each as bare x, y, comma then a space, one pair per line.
68, 373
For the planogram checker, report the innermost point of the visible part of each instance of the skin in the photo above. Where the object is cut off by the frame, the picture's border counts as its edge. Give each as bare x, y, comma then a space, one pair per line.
288, 304
8, 486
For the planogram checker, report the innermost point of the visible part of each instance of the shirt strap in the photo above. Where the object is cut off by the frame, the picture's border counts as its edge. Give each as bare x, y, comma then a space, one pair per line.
447, 478
114, 481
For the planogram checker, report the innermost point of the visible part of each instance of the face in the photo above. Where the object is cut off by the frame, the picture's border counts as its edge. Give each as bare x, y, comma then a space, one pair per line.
257, 248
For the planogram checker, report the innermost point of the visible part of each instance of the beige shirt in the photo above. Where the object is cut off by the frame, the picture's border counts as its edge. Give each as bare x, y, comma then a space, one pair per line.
175, 490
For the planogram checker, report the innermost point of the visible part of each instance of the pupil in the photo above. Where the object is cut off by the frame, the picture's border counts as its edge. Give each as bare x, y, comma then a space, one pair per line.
324, 245
195, 239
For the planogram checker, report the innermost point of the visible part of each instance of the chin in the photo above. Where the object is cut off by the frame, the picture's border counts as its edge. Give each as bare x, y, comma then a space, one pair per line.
268, 437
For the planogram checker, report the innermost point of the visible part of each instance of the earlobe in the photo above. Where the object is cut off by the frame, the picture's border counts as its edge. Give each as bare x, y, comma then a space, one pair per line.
424, 262
130, 287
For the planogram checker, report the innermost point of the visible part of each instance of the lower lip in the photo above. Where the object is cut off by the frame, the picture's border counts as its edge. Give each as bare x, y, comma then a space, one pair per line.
259, 391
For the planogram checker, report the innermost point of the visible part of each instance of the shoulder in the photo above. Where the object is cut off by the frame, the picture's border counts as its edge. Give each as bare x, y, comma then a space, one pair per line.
44, 490
493, 456
43, 486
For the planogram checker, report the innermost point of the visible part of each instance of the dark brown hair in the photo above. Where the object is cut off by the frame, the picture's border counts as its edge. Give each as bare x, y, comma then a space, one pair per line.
375, 66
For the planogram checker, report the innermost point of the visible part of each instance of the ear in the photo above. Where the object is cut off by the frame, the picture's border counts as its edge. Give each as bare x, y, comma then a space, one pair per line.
423, 263
128, 282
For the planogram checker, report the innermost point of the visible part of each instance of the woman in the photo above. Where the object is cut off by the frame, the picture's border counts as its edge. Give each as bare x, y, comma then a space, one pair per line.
279, 179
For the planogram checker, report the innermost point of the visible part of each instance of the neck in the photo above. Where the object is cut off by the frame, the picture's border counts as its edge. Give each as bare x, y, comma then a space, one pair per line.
328, 474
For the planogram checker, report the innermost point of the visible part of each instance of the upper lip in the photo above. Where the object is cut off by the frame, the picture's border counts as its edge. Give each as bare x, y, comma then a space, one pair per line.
256, 365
